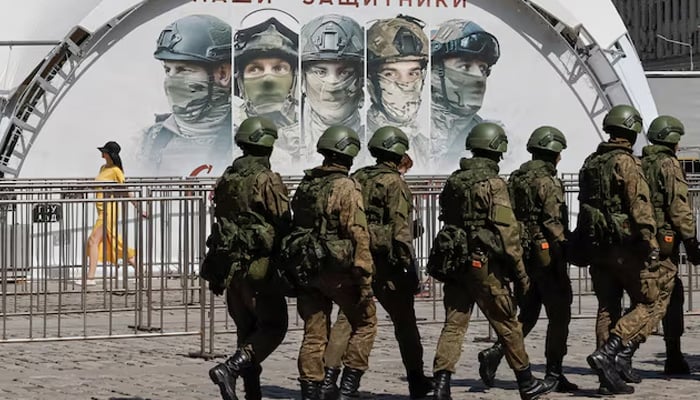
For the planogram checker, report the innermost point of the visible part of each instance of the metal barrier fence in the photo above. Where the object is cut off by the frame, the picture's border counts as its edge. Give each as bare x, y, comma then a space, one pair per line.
45, 226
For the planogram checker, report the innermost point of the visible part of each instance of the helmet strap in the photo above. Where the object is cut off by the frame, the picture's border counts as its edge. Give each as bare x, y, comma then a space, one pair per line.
491, 155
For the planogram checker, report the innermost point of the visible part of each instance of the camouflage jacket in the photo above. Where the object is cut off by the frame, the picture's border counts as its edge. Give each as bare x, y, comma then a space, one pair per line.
476, 197
254, 188
621, 187
343, 208
669, 191
387, 200
538, 199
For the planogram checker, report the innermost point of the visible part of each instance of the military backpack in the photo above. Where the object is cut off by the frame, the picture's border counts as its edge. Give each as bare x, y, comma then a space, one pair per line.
314, 244
464, 231
374, 196
602, 222
241, 239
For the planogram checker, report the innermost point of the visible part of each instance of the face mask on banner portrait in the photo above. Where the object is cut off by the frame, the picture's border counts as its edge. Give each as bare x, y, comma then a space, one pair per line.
333, 101
465, 91
401, 101
267, 93
190, 102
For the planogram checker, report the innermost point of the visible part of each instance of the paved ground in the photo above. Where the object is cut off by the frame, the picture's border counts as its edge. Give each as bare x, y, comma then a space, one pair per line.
159, 368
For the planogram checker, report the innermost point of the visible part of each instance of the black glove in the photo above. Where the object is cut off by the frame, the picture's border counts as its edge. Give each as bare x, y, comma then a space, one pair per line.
216, 289
418, 229
692, 250
413, 278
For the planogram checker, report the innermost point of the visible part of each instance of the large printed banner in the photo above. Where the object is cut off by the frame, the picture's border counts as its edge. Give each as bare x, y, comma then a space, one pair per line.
173, 91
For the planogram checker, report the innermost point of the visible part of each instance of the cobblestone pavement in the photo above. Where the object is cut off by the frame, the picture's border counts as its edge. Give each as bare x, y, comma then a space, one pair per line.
159, 368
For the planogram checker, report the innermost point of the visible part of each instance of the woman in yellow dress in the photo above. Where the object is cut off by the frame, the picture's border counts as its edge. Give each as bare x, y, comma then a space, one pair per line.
105, 244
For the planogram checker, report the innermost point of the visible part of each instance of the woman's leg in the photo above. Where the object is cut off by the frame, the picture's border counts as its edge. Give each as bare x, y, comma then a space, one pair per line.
93, 248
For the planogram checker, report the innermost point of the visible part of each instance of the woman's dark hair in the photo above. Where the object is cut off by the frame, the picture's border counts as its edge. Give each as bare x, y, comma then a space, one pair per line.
116, 160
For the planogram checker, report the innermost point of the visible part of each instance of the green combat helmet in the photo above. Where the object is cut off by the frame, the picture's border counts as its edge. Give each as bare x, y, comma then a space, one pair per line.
332, 37
623, 117
195, 38
340, 140
256, 131
546, 138
487, 136
665, 130
389, 139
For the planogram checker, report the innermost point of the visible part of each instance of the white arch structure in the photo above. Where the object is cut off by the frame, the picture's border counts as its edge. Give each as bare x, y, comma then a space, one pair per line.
39, 72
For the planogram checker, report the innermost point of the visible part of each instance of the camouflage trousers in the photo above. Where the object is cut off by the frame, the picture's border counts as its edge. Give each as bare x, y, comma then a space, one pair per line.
649, 289
397, 298
551, 287
493, 296
260, 317
315, 306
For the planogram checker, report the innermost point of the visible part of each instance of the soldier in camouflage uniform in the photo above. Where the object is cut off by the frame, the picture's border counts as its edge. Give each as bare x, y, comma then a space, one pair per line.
196, 55
250, 189
676, 224
538, 202
617, 229
332, 62
463, 54
397, 58
266, 57
476, 202
329, 204
388, 203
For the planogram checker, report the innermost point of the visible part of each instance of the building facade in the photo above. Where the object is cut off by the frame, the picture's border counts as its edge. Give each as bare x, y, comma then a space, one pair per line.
653, 24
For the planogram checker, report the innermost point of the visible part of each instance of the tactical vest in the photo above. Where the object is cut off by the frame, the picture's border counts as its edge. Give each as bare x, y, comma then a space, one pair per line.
374, 197
651, 165
602, 219
523, 191
595, 181
459, 208
314, 244
233, 194
310, 203
241, 238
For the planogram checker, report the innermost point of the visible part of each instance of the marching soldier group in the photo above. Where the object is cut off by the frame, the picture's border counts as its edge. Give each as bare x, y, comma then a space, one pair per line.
347, 239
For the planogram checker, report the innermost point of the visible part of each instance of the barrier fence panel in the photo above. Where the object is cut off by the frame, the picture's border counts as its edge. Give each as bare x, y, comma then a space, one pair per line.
45, 226
44, 238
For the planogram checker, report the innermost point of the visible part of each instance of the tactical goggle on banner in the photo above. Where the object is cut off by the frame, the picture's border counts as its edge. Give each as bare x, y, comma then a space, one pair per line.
480, 45
242, 37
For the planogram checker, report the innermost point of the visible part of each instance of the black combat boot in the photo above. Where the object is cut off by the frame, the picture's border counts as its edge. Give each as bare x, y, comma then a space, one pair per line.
555, 375
225, 374
329, 387
309, 390
442, 385
675, 362
531, 388
603, 363
251, 383
623, 363
350, 383
489, 360
418, 384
